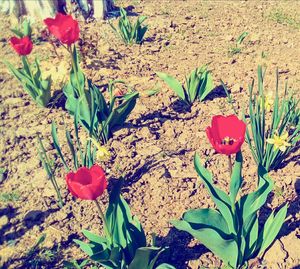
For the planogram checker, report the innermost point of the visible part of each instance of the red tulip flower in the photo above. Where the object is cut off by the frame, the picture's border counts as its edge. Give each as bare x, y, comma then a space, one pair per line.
64, 28
87, 183
227, 134
23, 46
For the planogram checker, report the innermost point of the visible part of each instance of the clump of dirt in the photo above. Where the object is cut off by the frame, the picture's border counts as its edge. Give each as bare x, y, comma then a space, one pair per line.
155, 149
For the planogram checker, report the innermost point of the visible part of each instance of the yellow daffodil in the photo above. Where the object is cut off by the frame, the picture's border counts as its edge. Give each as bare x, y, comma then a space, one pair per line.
102, 153
279, 141
269, 101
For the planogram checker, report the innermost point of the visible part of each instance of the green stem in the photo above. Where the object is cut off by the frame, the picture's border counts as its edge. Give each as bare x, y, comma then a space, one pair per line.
80, 92
229, 165
106, 230
54, 183
31, 75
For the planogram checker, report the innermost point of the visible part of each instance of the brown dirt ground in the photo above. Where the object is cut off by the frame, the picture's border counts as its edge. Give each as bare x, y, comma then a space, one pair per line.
155, 149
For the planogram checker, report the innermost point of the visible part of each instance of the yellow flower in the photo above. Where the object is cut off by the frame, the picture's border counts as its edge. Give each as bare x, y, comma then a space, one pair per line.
102, 153
269, 101
279, 141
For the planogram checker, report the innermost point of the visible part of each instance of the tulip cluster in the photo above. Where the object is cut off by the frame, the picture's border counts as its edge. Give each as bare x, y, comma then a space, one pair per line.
93, 112
231, 230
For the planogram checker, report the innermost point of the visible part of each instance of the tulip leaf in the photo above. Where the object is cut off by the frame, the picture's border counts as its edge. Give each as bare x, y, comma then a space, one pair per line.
251, 236
207, 216
206, 86
271, 228
174, 84
250, 203
165, 266
236, 177
85, 247
192, 85
94, 237
125, 229
220, 198
144, 256
224, 247
119, 114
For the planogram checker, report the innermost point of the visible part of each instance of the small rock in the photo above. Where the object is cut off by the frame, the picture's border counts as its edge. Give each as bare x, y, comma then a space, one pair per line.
3, 221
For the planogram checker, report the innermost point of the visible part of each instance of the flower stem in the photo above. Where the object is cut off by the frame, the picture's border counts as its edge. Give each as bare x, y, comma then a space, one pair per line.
106, 230
80, 92
229, 165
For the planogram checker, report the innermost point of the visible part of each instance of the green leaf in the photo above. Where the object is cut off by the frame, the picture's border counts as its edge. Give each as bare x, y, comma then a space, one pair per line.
206, 86
84, 247
251, 236
57, 146
220, 198
94, 237
143, 257
192, 85
225, 248
241, 38
252, 202
174, 84
207, 216
17, 32
165, 266
125, 229
120, 114
236, 177
272, 228
72, 148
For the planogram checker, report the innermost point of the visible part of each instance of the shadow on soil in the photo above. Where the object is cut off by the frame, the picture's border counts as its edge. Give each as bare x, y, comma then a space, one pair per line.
179, 252
295, 159
20, 227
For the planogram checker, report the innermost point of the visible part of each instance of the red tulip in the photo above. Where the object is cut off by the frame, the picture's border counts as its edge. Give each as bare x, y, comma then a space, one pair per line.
23, 46
227, 134
87, 183
64, 28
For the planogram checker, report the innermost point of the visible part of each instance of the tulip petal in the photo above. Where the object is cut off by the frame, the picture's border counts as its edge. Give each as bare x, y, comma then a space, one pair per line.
83, 176
89, 192
229, 126
69, 179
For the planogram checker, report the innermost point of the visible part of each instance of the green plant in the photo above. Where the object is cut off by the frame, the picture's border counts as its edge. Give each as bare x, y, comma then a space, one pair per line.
73, 264
128, 32
271, 141
24, 29
82, 155
124, 244
50, 170
38, 256
232, 230
30, 76
282, 18
197, 86
99, 117
7, 197
237, 49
